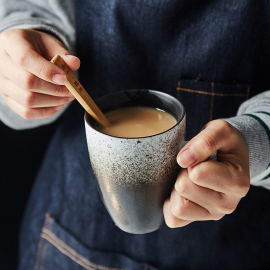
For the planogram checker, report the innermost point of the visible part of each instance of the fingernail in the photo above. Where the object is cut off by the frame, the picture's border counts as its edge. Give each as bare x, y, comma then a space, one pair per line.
58, 108
69, 56
59, 79
71, 98
186, 158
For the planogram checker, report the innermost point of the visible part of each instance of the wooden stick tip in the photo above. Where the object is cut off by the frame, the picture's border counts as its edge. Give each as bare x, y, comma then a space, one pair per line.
55, 58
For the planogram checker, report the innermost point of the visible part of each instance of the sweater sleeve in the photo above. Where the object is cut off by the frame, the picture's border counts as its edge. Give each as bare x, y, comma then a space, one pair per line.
253, 122
55, 17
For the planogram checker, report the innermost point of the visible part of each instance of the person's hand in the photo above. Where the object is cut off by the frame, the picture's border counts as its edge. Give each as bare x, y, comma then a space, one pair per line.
31, 85
207, 189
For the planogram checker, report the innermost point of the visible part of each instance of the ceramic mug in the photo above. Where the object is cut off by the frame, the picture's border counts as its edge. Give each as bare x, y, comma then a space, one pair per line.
135, 175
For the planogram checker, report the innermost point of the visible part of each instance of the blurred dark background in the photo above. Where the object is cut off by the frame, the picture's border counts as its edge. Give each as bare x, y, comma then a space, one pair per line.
21, 154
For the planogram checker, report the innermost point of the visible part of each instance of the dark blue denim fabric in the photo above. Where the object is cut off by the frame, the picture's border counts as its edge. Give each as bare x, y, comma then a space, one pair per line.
207, 53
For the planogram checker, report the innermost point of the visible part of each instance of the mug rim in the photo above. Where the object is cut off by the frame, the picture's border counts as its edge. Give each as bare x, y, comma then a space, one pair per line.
87, 115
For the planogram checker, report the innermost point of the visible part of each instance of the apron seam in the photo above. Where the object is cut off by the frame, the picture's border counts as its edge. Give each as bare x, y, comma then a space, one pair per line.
212, 94
43, 244
70, 252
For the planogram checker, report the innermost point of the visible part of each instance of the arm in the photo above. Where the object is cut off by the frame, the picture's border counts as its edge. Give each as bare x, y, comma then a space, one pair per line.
207, 189
48, 17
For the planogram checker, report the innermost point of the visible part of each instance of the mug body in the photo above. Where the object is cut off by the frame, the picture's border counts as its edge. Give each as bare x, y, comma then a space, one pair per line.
135, 175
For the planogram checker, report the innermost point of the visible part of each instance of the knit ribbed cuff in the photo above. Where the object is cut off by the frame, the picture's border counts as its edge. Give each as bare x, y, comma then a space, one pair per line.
257, 139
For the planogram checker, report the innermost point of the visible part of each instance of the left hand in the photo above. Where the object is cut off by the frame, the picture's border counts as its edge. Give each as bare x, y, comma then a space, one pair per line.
207, 189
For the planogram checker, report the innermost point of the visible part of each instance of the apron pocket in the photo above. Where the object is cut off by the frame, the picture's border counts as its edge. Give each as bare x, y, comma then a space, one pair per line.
206, 101
58, 250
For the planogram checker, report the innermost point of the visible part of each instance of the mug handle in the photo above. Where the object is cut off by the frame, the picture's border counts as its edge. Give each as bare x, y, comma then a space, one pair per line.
212, 157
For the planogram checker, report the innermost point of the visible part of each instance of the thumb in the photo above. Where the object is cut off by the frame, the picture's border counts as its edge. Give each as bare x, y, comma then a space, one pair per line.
72, 61
55, 47
215, 136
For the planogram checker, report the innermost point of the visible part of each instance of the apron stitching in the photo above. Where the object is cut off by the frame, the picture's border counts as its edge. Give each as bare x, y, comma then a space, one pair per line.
43, 245
71, 253
212, 101
47, 238
178, 88
210, 93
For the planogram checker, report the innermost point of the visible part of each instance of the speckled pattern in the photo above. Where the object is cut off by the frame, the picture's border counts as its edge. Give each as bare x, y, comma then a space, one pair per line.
135, 175
134, 162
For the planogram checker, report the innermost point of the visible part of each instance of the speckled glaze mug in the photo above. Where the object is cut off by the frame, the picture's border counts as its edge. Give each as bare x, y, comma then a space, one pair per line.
135, 175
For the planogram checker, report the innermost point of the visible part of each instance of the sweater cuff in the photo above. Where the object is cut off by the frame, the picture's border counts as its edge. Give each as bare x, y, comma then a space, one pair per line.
257, 138
40, 26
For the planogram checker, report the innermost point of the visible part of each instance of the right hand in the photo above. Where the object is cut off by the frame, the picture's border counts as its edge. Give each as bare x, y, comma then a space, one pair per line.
30, 84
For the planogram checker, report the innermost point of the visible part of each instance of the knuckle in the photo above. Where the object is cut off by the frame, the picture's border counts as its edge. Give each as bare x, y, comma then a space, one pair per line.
226, 208
27, 114
28, 81
177, 210
224, 126
23, 58
46, 112
195, 174
42, 71
181, 186
226, 130
170, 223
58, 90
208, 143
217, 217
29, 99
5, 36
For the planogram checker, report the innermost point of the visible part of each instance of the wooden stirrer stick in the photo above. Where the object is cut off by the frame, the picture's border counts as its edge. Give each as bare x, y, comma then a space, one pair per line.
77, 90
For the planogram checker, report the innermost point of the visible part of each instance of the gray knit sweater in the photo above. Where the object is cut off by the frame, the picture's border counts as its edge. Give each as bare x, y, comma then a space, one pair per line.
57, 18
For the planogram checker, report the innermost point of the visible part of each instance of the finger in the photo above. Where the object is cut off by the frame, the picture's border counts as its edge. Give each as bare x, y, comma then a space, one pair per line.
217, 135
185, 209
31, 113
26, 57
216, 204
170, 219
72, 61
55, 47
31, 99
221, 177
28, 81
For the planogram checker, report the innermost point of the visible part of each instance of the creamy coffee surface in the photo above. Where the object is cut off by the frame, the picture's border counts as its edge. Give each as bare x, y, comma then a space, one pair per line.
134, 122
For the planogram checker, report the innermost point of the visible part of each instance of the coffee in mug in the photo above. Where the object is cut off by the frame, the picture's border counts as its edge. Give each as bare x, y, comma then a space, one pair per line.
136, 122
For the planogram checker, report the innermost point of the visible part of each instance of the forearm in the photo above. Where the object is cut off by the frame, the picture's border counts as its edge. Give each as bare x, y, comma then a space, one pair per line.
51, 16
253, 122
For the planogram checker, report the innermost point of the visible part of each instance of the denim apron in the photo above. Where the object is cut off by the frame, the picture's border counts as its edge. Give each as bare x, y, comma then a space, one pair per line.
212, 55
